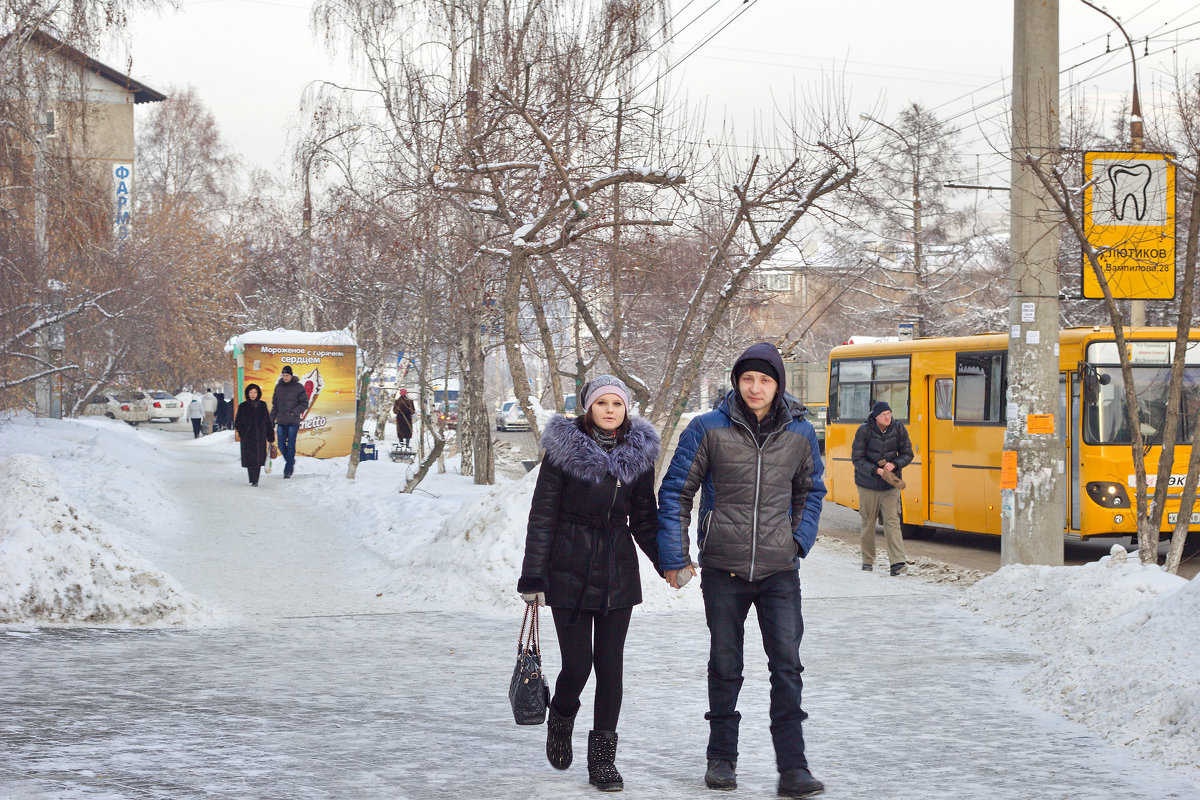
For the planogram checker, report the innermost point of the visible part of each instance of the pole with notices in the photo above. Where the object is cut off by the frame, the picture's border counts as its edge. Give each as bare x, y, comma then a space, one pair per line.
1032, 502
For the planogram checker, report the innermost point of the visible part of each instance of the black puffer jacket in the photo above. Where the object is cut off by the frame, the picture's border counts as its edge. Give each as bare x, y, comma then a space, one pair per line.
871, 445
289, 402
588, 508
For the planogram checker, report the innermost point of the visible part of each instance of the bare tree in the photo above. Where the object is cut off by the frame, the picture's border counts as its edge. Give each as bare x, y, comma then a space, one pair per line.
1149, 509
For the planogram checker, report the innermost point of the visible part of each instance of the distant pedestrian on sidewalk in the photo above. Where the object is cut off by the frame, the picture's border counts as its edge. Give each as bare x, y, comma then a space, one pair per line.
254, 430
881, 449
209, 403
195, 413
594, 498
758, 468
223, 419
403, 409
288, 402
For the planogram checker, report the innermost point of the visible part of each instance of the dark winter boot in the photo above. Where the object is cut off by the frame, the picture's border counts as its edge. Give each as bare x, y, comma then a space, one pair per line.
721, 774
798, 783
602, 752
558, 738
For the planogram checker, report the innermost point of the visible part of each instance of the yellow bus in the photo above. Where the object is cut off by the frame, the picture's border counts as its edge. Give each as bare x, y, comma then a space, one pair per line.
952, 395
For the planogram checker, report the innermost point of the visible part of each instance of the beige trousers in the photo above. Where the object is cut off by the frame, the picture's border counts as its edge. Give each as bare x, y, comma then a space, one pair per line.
208, 422
870, 502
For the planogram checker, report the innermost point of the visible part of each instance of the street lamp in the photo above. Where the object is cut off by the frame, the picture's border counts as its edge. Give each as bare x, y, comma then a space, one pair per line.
1137, 308
918, 265
306, 305
308, 161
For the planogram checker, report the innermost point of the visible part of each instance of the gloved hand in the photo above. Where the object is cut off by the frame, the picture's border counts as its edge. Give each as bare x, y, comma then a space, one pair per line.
534, 597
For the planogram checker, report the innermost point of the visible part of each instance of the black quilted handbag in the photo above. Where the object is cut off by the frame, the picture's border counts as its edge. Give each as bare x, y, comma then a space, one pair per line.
528, 692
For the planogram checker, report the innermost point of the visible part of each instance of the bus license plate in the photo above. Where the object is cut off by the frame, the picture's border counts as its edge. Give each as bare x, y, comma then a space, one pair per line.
1173, 518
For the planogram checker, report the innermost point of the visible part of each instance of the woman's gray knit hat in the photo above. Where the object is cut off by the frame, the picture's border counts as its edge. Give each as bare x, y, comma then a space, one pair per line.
602, 385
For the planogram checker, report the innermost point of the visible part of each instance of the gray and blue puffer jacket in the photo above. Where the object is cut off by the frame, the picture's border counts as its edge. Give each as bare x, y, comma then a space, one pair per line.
759, 505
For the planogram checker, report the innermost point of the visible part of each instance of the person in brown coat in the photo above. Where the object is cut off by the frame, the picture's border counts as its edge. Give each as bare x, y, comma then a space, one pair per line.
255, 431
403, 409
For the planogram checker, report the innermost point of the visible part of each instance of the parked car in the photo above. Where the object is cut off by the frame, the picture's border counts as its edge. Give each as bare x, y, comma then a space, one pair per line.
120, 404
159, 405
510, 417
816, 415
448, 415
570, 406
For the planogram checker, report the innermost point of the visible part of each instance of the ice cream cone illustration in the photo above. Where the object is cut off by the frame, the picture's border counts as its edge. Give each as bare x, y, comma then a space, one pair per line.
312, 383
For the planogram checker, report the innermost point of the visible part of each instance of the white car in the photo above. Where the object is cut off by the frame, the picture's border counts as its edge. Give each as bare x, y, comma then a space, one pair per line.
510, 417
161, 405
122, 405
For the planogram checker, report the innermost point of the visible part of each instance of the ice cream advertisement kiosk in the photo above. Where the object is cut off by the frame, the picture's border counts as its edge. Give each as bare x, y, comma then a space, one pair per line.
325, 364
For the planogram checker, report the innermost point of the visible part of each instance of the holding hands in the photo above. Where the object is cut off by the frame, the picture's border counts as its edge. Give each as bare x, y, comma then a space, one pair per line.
678, 578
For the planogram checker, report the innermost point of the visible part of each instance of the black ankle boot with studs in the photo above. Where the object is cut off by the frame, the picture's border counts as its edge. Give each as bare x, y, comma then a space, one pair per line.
558, 738
602, 752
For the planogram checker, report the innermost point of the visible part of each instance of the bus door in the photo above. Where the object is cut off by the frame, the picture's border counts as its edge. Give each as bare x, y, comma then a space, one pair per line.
939, 453
1073, 453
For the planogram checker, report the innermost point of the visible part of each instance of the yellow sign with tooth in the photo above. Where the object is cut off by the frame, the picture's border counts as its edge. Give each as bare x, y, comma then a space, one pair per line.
1129, 219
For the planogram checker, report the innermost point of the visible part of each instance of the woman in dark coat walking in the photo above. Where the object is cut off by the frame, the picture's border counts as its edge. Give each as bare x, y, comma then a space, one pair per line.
594, 498
403, 409
254, 429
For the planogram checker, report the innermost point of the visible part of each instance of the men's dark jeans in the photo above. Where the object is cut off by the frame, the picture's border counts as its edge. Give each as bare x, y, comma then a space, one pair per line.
727, 601
285, 435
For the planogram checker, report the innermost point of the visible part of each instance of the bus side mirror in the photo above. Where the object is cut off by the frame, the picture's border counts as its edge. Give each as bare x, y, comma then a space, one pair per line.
1092, 381
1091, 387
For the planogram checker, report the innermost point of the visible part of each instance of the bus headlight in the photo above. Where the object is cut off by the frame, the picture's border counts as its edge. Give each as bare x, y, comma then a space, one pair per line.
1108, 495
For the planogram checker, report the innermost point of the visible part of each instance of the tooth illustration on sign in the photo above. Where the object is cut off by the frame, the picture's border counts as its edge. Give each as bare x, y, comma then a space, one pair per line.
1129, 184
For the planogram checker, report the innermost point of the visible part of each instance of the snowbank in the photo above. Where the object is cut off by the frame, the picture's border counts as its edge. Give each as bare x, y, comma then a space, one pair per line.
472, 559
1118, 639
59, 564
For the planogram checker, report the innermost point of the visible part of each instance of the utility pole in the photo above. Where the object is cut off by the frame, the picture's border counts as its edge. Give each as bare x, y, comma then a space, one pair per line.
1032, 498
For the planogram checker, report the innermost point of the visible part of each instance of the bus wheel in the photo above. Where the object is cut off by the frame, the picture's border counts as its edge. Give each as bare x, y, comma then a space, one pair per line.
912, 531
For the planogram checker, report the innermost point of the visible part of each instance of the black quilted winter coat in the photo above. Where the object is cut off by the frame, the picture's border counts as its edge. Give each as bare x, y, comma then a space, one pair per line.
589, 507
871, 445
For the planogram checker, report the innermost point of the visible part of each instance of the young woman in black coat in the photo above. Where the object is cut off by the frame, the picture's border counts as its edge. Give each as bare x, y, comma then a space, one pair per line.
255, 431
594, 498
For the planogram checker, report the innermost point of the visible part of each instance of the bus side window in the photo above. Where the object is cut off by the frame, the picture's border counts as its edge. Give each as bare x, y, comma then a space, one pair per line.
981, 387
943, 391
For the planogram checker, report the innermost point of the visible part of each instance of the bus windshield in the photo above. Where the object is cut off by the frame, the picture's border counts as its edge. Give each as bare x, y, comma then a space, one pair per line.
1105, 422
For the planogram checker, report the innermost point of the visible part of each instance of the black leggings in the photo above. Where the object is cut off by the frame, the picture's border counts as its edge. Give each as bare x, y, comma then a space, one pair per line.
579, 653
253, 473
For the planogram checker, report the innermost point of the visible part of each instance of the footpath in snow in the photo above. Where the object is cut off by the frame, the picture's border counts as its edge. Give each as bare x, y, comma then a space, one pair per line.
171, 632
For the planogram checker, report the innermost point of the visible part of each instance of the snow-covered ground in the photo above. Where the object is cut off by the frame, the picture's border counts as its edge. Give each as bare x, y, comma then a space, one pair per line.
105, 525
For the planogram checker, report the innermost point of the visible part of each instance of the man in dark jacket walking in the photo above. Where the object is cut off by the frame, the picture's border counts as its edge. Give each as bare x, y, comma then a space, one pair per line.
757, 464
288, 404
881, 449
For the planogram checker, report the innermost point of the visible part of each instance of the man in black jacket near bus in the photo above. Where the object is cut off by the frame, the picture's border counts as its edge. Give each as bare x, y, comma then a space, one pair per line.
881, 449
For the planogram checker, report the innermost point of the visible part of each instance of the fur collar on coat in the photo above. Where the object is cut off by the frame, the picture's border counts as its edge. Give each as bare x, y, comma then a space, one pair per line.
578, 455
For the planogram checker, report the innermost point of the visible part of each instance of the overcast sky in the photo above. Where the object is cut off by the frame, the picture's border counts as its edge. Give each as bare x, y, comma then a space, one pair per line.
251, 60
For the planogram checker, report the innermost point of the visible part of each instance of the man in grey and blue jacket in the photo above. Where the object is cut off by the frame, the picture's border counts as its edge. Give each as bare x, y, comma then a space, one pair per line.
756, 463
